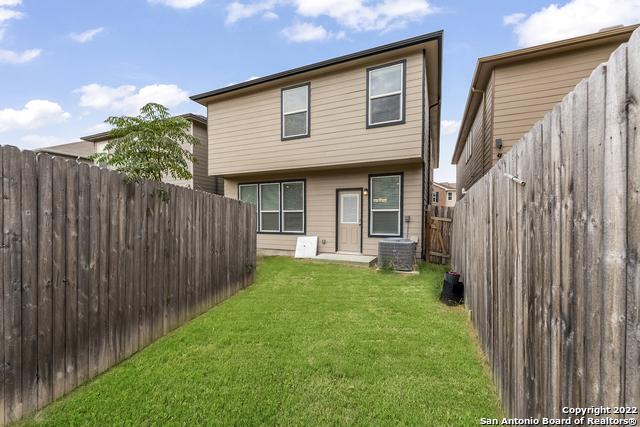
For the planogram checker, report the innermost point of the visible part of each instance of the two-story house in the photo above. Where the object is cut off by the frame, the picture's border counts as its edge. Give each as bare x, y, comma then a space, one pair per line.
511, 91
444, 194
342, 149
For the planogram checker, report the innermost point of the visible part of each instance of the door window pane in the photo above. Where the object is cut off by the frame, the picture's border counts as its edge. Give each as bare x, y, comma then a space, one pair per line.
350, 207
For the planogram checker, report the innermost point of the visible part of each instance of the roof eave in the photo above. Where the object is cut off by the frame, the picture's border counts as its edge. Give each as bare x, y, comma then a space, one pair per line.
424, 38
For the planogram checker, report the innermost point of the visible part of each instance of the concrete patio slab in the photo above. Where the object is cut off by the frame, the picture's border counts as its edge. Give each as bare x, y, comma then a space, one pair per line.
346, 258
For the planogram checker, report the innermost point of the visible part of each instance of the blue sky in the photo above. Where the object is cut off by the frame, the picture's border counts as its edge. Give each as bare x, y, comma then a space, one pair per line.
65, 65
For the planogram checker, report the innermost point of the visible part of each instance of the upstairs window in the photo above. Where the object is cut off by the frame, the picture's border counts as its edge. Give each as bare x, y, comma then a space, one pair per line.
385, 205
295, 112
385, 95
449, 196
434, 197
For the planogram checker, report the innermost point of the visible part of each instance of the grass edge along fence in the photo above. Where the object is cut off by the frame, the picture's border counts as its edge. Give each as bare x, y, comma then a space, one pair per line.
551, 268
93, 269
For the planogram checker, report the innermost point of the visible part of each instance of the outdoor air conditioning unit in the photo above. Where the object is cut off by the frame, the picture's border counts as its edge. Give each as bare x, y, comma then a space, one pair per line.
397, 253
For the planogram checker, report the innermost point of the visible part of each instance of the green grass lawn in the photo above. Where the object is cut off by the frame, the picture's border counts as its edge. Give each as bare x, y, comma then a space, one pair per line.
307, 344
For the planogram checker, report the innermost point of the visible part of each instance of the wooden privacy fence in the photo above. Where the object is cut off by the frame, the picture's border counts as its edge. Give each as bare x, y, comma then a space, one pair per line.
439, 234
92, 269
551, 268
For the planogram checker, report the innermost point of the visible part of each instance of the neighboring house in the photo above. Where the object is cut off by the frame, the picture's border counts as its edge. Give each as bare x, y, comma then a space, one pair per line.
444, 194
200, 180
343, 149
80, 151
511, 91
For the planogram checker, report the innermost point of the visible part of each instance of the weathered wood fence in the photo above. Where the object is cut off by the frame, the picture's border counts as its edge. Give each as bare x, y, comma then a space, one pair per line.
551, 268
440, 220
92, 269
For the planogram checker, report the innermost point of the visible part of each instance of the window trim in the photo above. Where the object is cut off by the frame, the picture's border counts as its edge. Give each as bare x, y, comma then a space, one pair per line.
304, 195
403, 97
308, 111
435, 197
400, 210
449, 196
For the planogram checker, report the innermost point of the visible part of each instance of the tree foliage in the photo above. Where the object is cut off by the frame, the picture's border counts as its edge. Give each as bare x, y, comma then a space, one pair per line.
149, 146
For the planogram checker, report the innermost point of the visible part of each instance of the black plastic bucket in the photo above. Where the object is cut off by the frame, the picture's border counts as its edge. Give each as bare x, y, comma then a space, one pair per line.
452, 289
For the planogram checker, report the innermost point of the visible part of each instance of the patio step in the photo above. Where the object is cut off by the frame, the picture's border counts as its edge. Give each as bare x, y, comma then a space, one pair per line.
356, 259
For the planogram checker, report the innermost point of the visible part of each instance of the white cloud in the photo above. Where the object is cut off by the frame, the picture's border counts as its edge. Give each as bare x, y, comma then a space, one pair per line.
575, 18
237, 10
39, 141
305, 32
514, 18
10, 2
86, 36
13, 57
99, 128
270, 16
127, 99
355, 15
7, 14
35, 114
178, 4
449, 127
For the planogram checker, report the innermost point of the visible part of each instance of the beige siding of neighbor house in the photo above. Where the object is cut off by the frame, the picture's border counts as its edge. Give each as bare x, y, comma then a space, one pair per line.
201, 180
480, 138
245, 131
321, 205
524, 92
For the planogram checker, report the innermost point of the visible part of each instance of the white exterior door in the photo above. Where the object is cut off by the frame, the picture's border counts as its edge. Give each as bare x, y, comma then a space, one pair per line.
349, 221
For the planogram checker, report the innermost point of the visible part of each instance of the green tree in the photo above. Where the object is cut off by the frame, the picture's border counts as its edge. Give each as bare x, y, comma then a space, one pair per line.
149, 146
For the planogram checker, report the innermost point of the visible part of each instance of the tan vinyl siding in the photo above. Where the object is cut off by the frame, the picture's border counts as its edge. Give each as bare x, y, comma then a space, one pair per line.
245, 131
524, 92
480, 138
321, 205
201, 179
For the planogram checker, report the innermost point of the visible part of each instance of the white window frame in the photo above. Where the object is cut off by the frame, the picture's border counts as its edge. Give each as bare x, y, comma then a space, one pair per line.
271, 211
434, 197
383, 95
372, 209
257, 200
449, 195
304, 203
305, 110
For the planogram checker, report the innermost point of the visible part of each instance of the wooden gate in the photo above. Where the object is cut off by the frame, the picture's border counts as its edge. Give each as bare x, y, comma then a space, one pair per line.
439, 234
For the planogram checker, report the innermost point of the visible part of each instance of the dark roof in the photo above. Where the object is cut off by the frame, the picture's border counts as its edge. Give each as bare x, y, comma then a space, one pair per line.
103, 136
80, 149
436, 35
